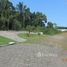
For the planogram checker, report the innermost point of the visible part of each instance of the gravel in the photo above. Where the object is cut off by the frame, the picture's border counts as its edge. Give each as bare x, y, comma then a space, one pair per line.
12, 35
34, 55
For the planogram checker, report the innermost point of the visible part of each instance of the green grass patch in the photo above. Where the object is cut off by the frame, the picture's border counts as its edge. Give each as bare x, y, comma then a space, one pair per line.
4, 41
32, 38
59, 39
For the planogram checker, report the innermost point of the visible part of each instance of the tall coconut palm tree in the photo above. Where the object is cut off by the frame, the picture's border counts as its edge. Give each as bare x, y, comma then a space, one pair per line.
5, 11
28, 17
21, 9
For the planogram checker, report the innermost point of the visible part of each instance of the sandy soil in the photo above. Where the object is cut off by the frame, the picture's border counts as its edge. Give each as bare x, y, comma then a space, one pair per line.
45, 54
12, 35
34, 55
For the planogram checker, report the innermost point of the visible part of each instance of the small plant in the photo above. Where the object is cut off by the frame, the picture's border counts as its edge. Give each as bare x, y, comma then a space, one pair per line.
39, 33
51, 31
29, 28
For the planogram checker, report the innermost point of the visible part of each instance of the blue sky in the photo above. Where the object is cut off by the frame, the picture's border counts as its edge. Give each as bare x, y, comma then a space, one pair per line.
55, 10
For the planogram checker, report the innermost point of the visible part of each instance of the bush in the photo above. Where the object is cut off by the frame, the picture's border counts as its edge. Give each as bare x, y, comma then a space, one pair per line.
39, 29
29, 28
51, 31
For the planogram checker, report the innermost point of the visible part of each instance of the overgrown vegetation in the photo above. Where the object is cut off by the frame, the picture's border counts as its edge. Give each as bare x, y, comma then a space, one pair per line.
21, 18
59, 40
33, 38
50, 29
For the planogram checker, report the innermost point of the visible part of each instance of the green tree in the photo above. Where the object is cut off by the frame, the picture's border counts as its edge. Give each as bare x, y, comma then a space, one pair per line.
21, 9
38, 18
50, 25
19, 17
29, 28
5, 11
28, 17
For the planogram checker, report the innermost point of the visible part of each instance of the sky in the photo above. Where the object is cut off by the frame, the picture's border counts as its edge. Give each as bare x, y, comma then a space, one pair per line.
55, 10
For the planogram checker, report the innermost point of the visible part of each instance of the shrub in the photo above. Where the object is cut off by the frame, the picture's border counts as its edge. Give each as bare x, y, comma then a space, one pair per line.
39, 29
29, 28
51, 31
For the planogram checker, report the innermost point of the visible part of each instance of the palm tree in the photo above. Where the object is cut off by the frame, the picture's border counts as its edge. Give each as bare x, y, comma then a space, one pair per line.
5, 11
21, 9
28, 17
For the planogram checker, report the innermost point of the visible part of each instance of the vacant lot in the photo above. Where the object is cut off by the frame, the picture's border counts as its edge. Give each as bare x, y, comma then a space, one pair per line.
32, 55
37, 51
59, 40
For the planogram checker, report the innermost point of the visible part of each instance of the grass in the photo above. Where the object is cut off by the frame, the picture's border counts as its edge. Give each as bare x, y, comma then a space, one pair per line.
4, 41
59, 39
33, 38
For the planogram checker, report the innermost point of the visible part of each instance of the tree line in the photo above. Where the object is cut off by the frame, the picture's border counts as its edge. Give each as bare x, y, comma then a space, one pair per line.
19, 17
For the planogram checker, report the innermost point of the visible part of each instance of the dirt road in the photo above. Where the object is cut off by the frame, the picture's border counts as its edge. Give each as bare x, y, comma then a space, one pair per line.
12, 35
31, 56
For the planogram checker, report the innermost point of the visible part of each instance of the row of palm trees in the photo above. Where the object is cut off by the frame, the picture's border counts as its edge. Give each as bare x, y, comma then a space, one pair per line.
19, 17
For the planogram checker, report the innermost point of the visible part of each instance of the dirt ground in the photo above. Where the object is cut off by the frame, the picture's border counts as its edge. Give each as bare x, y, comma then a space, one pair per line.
47, 53
32, 55
12, 35
58, 40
